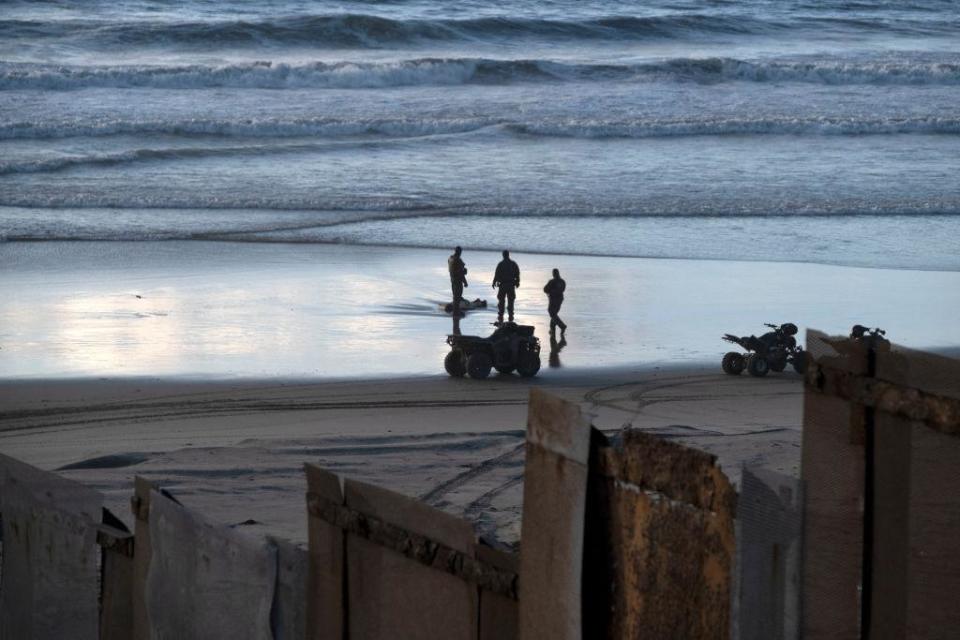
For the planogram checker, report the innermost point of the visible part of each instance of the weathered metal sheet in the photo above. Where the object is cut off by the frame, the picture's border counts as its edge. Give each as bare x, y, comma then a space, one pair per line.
916, 558
499, 614
326, 578
832, 469
289, 615
116, 579
50, 555
554, 506
770, 511
391, 595
657, 566
206, 581
931, 373
140, 506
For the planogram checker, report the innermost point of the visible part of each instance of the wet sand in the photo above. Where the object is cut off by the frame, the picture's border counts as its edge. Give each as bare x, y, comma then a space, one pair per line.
254, 310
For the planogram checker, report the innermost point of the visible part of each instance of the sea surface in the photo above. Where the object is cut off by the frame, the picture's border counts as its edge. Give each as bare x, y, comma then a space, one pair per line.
787, 130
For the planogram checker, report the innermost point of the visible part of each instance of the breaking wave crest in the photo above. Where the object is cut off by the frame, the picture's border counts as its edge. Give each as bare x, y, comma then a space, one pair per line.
457, 71
370, 31
590, 128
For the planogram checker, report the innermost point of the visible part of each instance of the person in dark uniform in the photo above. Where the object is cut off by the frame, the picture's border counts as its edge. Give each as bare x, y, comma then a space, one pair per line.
458, 279
507, 278
554, 291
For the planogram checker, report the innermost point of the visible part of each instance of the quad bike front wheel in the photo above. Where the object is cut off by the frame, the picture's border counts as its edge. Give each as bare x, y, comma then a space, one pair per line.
479, 365
732, 363
757, 365
528, 363
454, 363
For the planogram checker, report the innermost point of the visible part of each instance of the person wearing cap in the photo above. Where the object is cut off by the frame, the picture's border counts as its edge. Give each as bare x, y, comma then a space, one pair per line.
507, 278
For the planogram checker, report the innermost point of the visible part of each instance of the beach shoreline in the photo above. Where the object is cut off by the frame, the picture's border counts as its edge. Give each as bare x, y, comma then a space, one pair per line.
218, 310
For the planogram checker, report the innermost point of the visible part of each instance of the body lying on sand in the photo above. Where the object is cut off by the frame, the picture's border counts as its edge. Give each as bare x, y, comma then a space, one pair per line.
506, 279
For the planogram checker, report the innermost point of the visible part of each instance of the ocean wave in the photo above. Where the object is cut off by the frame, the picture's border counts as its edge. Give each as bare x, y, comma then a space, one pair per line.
268, 75
851, 126
64, 162
362, 30
371, 31
242, 127
458, 71
588, 128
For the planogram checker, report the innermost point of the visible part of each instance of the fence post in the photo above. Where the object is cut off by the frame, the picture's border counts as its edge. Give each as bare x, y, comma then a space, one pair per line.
326, 577
552, 531
832, 470
49, 555
140, 506
769, 546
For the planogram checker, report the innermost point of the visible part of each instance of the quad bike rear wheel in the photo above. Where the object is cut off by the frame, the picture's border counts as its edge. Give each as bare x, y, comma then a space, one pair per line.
528, 363
479, 365
757, 365
454, 363
732, 363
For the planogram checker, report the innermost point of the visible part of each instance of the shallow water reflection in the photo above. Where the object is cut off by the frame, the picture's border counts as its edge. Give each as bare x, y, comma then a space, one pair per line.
221, 309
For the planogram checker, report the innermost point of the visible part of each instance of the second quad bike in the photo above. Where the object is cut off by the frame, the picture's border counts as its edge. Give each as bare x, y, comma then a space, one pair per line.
512, 347
772, 351
872, 338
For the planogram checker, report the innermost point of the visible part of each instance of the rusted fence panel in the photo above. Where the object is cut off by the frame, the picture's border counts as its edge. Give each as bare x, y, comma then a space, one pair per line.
770, 513
832, 469
390, 594
554, 507
660, 541
206, 581
49, 555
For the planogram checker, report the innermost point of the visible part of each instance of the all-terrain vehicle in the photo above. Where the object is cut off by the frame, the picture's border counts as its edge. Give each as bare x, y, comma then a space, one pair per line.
872, 338
772, 351
512, 347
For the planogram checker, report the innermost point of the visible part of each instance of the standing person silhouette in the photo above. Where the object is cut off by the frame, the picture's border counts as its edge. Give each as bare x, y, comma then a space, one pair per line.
458, 279
554, 290
507, 278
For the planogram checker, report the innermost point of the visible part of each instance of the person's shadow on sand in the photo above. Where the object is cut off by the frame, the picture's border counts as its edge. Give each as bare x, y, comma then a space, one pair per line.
555, 349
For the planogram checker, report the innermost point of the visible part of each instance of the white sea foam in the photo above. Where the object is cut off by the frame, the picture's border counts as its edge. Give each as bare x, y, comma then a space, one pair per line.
457, 71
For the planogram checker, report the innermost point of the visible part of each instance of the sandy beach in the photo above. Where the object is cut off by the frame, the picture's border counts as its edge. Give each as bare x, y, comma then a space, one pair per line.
218, 369
235, 450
